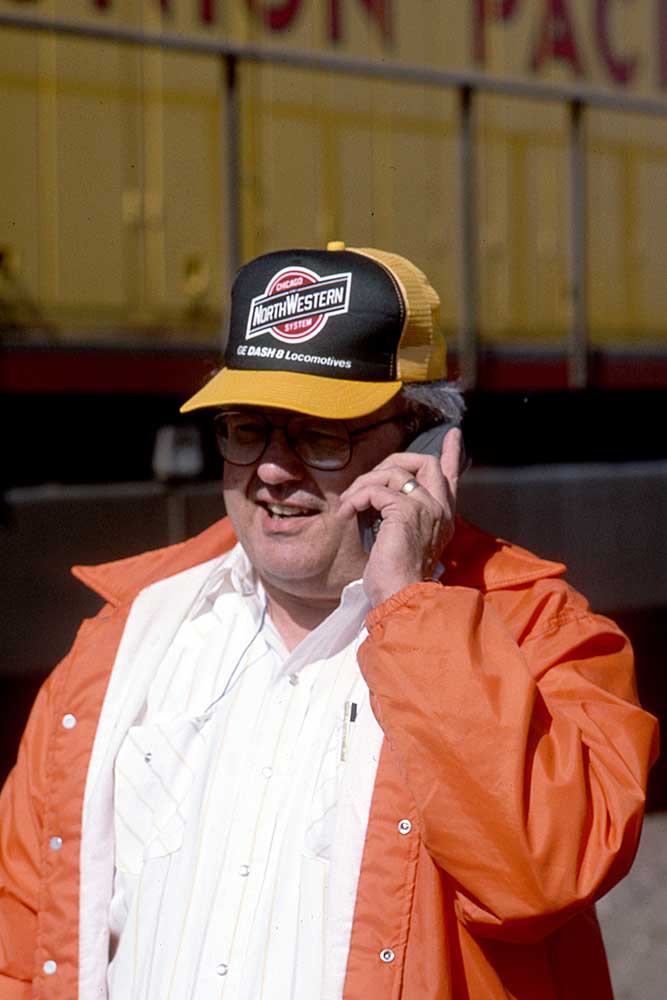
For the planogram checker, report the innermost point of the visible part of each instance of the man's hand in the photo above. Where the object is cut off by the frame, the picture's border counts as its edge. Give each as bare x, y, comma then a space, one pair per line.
416, 526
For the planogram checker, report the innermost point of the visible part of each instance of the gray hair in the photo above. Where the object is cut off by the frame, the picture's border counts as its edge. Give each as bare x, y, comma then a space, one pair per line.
433, 401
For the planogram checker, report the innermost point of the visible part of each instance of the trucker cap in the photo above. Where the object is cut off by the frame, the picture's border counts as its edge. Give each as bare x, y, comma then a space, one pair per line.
332, 333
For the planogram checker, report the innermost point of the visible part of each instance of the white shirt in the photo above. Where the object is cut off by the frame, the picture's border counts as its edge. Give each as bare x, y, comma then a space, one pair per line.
233, 876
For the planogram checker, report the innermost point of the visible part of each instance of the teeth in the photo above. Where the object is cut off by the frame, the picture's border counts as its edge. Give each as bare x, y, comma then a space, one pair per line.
280, 510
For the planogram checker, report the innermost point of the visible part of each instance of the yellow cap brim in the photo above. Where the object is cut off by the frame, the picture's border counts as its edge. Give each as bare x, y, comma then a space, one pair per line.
332, 398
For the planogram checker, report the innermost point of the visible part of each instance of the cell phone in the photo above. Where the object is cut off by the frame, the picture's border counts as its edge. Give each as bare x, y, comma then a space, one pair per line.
427, 443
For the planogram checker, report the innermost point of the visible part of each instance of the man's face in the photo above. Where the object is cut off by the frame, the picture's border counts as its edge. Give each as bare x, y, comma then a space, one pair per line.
285, 514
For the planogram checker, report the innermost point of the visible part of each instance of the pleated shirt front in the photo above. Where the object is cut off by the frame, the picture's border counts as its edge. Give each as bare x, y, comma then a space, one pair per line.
235, 868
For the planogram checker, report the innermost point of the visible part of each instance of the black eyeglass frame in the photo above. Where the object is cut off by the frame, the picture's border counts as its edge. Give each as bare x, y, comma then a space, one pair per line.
270, 427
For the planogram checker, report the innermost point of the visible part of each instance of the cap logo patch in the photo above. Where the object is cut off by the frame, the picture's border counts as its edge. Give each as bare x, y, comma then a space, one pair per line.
297, 304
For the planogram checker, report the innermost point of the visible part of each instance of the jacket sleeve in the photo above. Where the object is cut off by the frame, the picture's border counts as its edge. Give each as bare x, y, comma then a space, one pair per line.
21, 847
517, 730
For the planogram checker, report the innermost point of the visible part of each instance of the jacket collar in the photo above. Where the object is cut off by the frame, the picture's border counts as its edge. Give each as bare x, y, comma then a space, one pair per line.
473, 559
120, 581
477, 559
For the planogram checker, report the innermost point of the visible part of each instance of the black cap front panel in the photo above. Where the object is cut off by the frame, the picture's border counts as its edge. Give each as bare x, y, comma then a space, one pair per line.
320, 312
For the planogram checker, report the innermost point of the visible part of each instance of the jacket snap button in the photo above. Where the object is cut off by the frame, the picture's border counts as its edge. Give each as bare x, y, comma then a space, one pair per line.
69, 721
404, 826
56, 843
49, 967
387, 955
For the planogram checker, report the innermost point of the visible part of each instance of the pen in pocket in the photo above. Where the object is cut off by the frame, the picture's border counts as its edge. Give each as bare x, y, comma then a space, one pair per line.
349, 717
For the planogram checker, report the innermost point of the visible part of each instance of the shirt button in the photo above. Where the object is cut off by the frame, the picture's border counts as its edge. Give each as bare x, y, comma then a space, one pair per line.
267, 772
68, 721
294, 679
222, 969
404, 826
244, 870
49, 967
387, 955
56, 843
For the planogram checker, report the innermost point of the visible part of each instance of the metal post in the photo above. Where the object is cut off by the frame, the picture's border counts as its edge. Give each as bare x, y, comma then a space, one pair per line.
177, 530
231, 225
469, 242
578, 338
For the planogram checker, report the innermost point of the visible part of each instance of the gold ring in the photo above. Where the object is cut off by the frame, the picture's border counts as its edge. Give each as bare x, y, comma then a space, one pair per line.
408, 487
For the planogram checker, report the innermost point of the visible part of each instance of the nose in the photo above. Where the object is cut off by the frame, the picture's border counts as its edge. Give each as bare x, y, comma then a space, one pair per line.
279, 464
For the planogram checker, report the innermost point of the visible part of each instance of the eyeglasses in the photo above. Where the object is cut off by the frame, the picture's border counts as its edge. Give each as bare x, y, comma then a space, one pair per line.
243, 436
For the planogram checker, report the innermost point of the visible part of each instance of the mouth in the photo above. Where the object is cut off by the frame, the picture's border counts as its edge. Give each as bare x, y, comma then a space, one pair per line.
284, 511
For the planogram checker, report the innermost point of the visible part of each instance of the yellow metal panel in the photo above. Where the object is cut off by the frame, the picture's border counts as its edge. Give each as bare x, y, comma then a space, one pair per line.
287, 160
413, 205
118, 182
112, 191
650, 246
523, 221
628, 228
193, 181
19, 203
370, 163
89, 154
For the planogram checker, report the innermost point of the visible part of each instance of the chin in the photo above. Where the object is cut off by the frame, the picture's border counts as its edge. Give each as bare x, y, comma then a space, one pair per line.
288, 567
308, 574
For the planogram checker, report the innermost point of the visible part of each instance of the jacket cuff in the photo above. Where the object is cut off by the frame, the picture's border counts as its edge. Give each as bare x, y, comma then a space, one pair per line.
414, 593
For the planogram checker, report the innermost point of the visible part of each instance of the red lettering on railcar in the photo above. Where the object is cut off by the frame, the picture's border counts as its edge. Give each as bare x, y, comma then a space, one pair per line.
276, 16
488, 10
621, 69
379, 10
557, 39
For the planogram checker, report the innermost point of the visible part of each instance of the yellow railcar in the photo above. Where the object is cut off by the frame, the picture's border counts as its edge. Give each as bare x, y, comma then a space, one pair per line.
149, 147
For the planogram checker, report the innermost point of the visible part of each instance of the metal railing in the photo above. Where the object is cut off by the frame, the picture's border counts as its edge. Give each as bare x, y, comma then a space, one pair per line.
467, 84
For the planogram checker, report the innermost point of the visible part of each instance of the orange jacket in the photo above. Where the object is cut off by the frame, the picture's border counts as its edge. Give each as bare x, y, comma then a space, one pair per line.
514, 746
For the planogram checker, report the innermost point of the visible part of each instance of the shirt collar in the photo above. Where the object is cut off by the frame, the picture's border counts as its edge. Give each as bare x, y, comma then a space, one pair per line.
231, 573
342, 627
235, 574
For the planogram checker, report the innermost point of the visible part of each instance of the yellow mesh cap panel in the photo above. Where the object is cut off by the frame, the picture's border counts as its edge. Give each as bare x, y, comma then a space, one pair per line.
421, 352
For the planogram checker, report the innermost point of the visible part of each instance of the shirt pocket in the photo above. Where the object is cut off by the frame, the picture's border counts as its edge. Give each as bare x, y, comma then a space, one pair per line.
153, 778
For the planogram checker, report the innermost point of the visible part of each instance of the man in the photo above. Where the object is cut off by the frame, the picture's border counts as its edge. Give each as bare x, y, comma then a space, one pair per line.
279, 765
